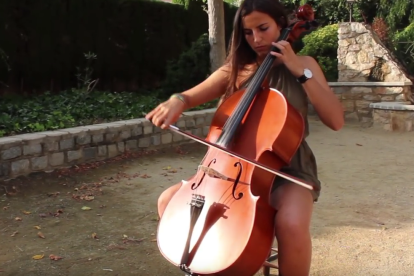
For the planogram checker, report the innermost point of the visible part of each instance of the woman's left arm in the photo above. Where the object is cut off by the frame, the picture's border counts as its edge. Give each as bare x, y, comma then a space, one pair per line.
325, 102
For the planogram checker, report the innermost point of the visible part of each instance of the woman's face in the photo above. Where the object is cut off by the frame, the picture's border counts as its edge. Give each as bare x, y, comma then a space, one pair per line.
260, 30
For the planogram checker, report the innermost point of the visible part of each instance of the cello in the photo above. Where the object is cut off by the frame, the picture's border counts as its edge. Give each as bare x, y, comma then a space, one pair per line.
220, 222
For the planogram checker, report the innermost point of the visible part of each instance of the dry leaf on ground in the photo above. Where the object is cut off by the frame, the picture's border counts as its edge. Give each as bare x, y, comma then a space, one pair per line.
38, 257
55, 257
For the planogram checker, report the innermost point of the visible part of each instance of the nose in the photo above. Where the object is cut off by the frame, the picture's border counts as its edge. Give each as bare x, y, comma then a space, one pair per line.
257, 37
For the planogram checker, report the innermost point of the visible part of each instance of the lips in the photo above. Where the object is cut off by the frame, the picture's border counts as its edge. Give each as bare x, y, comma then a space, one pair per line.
261, 48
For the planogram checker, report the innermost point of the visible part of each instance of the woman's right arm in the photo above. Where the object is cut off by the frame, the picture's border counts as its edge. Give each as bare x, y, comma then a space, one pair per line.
169, 111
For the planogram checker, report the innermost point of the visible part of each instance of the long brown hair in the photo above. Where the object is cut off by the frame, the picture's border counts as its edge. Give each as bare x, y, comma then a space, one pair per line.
240, 53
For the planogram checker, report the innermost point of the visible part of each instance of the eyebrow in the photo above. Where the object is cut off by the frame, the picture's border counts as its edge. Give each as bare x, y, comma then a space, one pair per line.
261, 25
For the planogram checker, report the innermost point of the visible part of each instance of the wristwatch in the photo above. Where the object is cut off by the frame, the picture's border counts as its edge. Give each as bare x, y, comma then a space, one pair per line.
307, 74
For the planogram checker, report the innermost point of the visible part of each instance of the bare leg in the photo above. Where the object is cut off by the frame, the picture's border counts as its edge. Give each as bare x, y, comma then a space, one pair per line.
165, 198
294, 205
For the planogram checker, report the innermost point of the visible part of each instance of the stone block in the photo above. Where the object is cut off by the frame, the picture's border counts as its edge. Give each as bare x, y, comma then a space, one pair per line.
166, 138
136, 131
157, 129
56, 159
102, 150
131, 144
110, 137
8, 142
89, 153
39, 163
177, 137
181, 124
76, 130
67, 143
190, 123
144, 142
74, 155
98, 138
360, 104
209, 118
121, 146
32, 149
197, 132
372, 97
115, 127
54, 133
112, 151
28, 137
148, 129
11, 153
83, 139
97, 129
20, 167
206, 129
134, 122
4, 169
125, 134
51, 144
200, 121
348, 105
156, 140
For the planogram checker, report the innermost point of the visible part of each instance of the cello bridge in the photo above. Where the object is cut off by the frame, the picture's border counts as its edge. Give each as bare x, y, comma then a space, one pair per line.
197, 201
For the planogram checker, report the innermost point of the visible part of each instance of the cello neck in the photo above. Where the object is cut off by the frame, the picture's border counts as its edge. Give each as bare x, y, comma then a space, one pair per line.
234, 121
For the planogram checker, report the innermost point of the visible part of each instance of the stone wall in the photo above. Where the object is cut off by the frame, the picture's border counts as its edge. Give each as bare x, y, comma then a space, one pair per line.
393, 116
363, 58
50, 150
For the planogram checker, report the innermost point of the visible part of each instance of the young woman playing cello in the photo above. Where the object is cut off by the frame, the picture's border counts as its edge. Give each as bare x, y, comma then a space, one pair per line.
257, 26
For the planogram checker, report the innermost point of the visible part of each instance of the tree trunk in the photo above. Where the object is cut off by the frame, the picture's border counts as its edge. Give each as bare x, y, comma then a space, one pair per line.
216, 33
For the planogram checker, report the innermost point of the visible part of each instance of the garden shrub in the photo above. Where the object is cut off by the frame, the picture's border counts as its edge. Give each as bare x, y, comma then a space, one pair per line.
403, 47
189, 69
69, 109
322, 44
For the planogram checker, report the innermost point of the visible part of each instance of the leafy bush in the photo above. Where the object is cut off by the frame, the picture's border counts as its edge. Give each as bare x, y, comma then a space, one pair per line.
322, 44
189, 69
403, 47
70, 108
73, 108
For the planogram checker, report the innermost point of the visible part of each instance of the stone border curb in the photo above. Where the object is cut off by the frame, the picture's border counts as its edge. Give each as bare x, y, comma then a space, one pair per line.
49, 150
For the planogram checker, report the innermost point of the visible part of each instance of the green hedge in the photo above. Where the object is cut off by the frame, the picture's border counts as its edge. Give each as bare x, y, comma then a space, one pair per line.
322, 44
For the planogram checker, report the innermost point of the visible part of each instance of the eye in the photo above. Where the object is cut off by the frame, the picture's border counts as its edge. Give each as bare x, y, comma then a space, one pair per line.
247, 32
264, 28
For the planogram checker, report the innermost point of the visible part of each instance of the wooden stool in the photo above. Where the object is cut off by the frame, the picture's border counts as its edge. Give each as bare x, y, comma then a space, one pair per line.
267, 265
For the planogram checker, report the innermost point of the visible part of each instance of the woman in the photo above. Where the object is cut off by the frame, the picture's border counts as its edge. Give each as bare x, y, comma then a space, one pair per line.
257, 26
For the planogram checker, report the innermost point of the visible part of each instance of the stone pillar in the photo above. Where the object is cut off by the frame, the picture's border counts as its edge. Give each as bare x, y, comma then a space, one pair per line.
362, 56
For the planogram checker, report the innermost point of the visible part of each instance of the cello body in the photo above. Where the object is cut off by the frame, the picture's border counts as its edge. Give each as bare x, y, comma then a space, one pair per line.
235, 228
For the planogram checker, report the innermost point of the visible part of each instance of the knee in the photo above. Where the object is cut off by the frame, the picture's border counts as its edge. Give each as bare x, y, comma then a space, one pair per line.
165, 198
291, 226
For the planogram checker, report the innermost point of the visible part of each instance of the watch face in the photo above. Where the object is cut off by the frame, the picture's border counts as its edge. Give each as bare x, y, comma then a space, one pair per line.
308, 73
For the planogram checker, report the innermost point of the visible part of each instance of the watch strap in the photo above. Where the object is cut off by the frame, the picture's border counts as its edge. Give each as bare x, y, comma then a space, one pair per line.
302, 79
